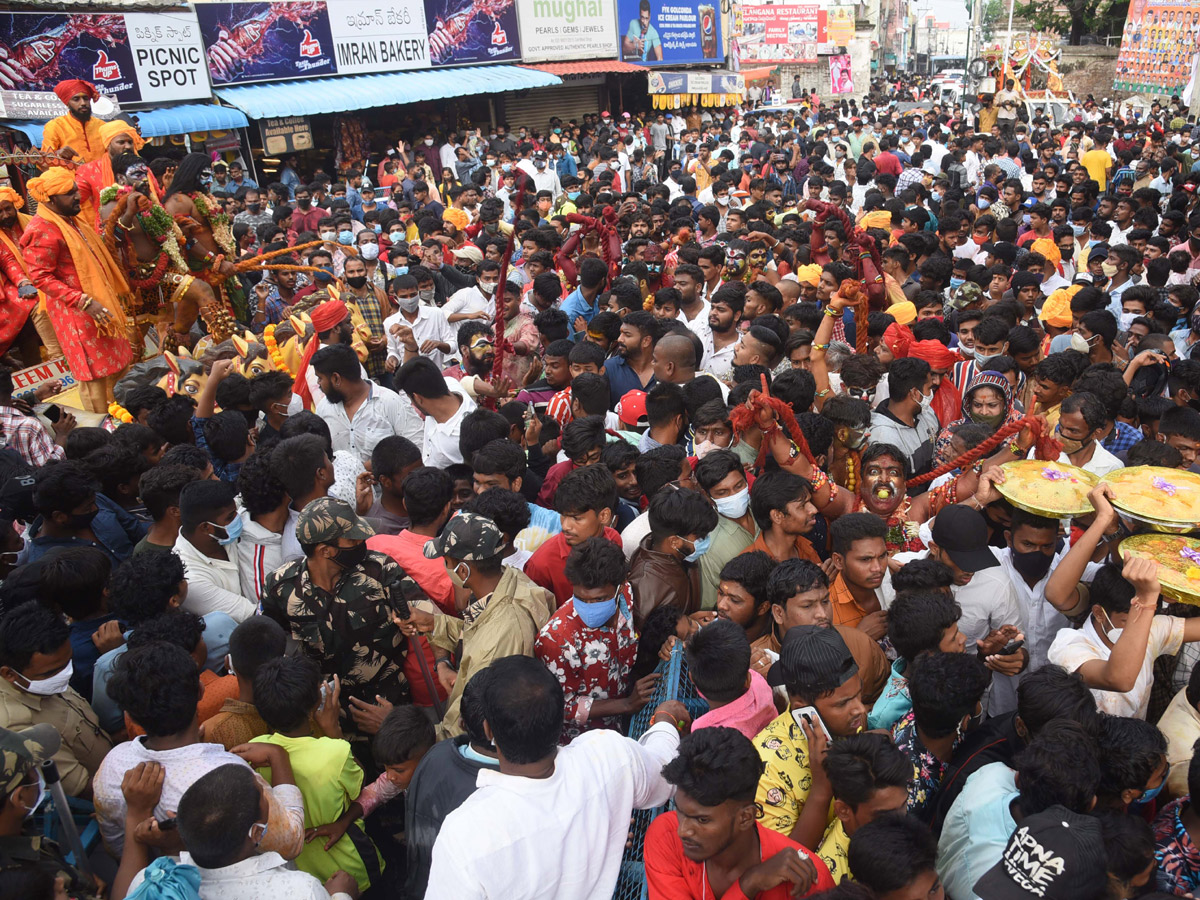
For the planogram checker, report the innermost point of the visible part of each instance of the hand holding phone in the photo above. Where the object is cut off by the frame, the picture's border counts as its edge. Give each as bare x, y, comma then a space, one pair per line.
810, 715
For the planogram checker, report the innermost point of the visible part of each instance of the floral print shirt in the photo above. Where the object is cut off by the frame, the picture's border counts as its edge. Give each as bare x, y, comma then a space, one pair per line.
590, 663
1178, 858
927, 769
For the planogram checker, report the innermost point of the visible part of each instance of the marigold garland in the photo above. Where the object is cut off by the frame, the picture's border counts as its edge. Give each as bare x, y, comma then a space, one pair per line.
273, 350
117, 411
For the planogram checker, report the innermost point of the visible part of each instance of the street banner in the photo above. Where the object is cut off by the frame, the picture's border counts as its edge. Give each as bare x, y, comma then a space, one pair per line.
661, 34
780, 34
290, 134
660, 82
1158, 46
465, 32
249, 42
132, 57
553, 30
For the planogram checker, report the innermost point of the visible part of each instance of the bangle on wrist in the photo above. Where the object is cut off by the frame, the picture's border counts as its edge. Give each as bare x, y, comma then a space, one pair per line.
832, 313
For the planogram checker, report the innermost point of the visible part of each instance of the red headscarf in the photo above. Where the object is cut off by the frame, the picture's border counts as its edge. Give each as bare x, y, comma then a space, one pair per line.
324, 317
72, 86
947, 401
898, 338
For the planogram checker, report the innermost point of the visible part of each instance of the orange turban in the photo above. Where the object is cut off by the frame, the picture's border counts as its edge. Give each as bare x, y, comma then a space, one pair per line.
1048, 249
323, 317
809, 274
456, 217
56, 180
327, 314
110, 130
72, 86
903, 312
7, 193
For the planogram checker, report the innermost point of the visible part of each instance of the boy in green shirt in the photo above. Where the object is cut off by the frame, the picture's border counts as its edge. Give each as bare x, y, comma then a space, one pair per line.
287, 691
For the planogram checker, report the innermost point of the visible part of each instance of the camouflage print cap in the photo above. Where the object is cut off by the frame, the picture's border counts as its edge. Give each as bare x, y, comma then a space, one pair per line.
467, 537
964, 295
326, 519
21, 749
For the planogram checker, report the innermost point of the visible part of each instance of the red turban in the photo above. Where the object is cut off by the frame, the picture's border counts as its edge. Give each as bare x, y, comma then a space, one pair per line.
72, 86
323, 317
898, 338
937, 354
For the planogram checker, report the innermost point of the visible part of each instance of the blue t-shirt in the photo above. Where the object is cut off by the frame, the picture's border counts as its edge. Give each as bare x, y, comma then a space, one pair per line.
622, 379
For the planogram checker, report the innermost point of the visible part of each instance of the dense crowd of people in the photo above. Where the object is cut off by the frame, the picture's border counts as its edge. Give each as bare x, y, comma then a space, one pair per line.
364, 600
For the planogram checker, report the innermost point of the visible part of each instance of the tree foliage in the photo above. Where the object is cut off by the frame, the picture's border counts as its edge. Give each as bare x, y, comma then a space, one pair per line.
1073, 18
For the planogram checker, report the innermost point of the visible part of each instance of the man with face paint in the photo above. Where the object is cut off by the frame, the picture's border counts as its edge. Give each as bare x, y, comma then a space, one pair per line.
35, 668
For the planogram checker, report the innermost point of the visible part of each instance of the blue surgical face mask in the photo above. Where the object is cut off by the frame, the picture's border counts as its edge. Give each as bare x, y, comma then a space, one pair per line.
233, 531
1077, 230
572, 195
957, 282
593, 615
1025, 220
378, 228
983, 203
1149, 795
734, 506
699, 548
346, 237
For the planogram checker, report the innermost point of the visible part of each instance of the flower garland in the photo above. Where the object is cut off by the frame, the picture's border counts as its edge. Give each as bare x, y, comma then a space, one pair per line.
159, 225
117, 411
154, 278
273, 350
218, 222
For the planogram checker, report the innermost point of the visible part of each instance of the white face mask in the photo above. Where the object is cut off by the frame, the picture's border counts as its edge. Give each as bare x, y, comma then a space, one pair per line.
428, 142
329, 236
926, 400
369, 251
1113, 634
1126, 320
487, 287
55, 684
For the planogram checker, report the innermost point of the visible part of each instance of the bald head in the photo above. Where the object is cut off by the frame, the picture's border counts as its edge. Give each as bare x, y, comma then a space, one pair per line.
673, 359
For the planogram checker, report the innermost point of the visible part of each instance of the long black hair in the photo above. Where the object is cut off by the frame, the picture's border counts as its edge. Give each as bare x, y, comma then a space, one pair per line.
187, 175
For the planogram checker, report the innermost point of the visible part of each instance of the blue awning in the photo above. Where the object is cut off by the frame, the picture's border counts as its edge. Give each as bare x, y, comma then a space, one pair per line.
31, 130
314, 96
189, 117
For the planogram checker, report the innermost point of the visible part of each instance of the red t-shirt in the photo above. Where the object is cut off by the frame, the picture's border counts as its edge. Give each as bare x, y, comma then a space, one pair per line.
672, 876
547, 567
888, 163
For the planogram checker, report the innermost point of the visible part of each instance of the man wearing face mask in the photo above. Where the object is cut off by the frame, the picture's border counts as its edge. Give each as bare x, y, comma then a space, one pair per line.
255, 212
340, 602
363, 297
22, 792
418, 328
663, 570
207, 544
506, 608
35, 668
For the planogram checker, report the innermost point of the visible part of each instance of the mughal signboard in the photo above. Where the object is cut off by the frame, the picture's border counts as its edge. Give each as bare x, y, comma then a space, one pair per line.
132, 57
554, 30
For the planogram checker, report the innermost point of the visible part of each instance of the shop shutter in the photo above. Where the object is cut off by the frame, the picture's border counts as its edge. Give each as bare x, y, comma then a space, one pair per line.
535, 107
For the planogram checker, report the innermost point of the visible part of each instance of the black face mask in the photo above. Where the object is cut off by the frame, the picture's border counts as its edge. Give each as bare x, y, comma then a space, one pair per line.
357, 281
79, 521
351, 557
1032, 566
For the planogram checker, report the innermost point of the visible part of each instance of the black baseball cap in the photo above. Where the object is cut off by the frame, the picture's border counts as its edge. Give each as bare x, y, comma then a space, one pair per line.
961, 533
1055, 855
813, 655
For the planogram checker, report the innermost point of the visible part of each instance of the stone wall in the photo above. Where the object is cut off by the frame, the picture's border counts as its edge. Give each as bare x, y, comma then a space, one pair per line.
1089, 69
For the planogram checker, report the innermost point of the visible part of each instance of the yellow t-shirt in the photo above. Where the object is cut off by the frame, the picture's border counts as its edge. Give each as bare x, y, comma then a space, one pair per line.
784, 786
1097, 162
835, 851
329, 780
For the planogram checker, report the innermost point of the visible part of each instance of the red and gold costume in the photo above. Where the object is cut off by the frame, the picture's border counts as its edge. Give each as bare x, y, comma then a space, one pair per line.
95, 176
68, 131
69, 263
15, 310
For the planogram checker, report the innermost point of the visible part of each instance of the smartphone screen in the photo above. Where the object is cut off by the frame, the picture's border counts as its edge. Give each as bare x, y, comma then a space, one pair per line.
809, 714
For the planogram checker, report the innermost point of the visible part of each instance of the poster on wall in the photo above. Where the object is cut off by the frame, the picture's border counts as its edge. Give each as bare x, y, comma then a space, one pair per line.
654, 34
468, 32
840, 80
553, 30
780, 34
372, 36
249, 42
1158, 46
132, 57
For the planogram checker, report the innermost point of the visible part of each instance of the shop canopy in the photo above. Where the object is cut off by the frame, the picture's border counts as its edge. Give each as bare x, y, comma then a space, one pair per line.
314, 96
183, 119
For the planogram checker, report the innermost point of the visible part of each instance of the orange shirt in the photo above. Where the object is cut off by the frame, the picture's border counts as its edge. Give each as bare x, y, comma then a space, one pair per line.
804, 550
67, 131
217, 689
846, 610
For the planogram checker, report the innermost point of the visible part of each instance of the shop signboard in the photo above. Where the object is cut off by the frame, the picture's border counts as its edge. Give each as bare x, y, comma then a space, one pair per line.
467, 32
290, 134
688, 31
696, 83
131, 57
388, 36
553, 30
768, 33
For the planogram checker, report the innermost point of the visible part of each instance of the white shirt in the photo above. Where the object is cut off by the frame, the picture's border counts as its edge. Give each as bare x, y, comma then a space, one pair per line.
699, 325
718, 363
440, 440
1041, 622
181, 768
469, 300
379, 416
1071, 649
256, 877
497, 843
634, 532
430, 325
1101, 463
214, 585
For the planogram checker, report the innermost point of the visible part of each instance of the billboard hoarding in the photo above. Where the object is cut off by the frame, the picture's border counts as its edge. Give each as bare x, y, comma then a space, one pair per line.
249, 42
780, 34
688, 32
378, 37
133, 57
840, 80
553, 30
696, 83
463, 32
1158, 46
